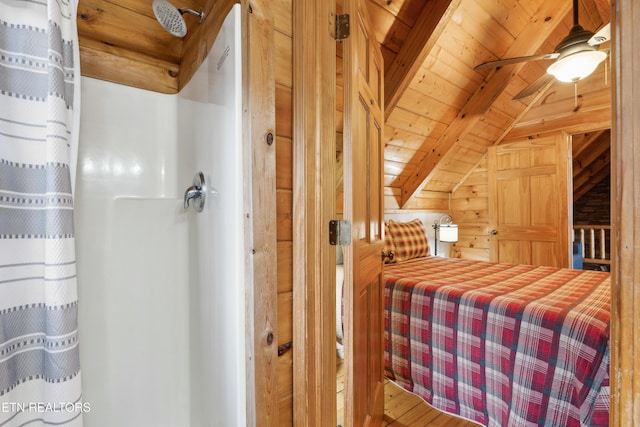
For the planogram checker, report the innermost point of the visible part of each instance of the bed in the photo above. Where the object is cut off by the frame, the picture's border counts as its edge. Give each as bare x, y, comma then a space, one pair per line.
499, 344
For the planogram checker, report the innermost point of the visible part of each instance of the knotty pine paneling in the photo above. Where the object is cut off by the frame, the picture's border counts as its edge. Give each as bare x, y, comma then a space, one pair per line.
122, 42
283, 17
118, 65
435, 86
398, 151
284, 59
484, 29
439, 186
284, 155
285, 318
405, 140
285, 380
414, 123
283, 63
285, 362
451, 178
391, 198
592, 93
425, 105
576, 122
111, 24
284, 111
470, 210
284, 206
429, 201
404, 10
285, 267
260, 160
383, 21
469, 253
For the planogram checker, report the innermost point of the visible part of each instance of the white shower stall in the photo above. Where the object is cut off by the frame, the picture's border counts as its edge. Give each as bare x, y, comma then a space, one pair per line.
161, 286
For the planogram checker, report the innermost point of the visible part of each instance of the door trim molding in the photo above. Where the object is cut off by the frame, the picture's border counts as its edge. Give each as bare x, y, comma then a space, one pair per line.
625, 255
259, 200
314, 205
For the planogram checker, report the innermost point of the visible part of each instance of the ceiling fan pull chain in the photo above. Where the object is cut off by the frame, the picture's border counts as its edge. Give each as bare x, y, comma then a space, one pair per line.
575, 94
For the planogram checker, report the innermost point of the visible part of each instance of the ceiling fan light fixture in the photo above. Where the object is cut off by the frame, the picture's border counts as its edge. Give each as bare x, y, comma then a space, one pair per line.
576, 66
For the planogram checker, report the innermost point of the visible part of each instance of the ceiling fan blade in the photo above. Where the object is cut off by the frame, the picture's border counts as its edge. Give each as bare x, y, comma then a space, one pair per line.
540, 83
515, 60
603, 35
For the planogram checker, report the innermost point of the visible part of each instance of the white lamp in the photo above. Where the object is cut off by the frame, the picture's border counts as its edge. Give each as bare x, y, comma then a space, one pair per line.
448, 233
445, 231
576, 66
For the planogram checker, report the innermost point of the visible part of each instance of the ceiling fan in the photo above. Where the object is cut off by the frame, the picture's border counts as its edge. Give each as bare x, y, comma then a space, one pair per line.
576, 57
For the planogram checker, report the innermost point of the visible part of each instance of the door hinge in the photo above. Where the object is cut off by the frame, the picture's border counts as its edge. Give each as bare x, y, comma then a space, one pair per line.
342, 27
339, 232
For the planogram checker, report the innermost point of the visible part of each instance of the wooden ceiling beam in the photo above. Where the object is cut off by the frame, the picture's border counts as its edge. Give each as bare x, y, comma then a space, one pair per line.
201, 37
528, 42
577, 122
604, 9
566, 106
591, 177
118, 65
534, 101
118, 26
579, 143
596, 151
594, 13
415, 49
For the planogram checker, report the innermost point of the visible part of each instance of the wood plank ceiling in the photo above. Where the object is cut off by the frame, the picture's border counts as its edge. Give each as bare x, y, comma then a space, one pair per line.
446, 115
121, 41
441, 115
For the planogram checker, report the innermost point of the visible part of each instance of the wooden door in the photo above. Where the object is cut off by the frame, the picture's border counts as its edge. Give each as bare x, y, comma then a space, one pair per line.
363, 206
529, 204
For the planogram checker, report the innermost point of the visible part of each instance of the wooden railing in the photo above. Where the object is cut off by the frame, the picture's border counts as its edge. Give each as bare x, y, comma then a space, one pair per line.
596, 242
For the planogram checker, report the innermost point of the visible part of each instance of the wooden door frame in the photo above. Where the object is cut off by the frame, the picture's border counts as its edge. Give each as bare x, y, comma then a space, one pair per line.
625, 231
314, 205
625, 332
259, 201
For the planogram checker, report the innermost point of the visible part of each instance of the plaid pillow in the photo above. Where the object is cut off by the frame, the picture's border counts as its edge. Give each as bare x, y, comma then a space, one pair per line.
409, 239
389, 247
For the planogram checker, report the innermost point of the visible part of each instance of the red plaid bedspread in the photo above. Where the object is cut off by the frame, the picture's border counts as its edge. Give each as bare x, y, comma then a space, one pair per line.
500, 344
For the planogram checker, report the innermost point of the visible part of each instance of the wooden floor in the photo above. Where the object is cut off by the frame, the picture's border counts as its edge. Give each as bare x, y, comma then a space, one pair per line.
402, 409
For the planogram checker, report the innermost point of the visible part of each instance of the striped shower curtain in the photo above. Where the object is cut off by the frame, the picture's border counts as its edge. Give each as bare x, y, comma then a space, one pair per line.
39, 104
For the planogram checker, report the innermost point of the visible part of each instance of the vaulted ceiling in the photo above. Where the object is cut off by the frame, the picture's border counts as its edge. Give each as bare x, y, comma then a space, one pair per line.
440, 114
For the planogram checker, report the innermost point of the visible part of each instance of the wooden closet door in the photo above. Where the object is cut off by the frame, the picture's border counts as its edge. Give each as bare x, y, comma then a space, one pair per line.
529, 202
363, 206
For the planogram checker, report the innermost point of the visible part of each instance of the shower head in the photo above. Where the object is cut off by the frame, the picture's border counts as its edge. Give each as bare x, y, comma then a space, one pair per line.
171, 19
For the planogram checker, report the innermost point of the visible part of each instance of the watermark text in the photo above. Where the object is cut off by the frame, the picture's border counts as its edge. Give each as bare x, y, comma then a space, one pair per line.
42, 407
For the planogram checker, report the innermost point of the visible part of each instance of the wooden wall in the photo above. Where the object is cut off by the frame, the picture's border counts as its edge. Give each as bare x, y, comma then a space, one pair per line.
468, 203
284, 194
121, 42
428, 201
470, 210
594, 207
